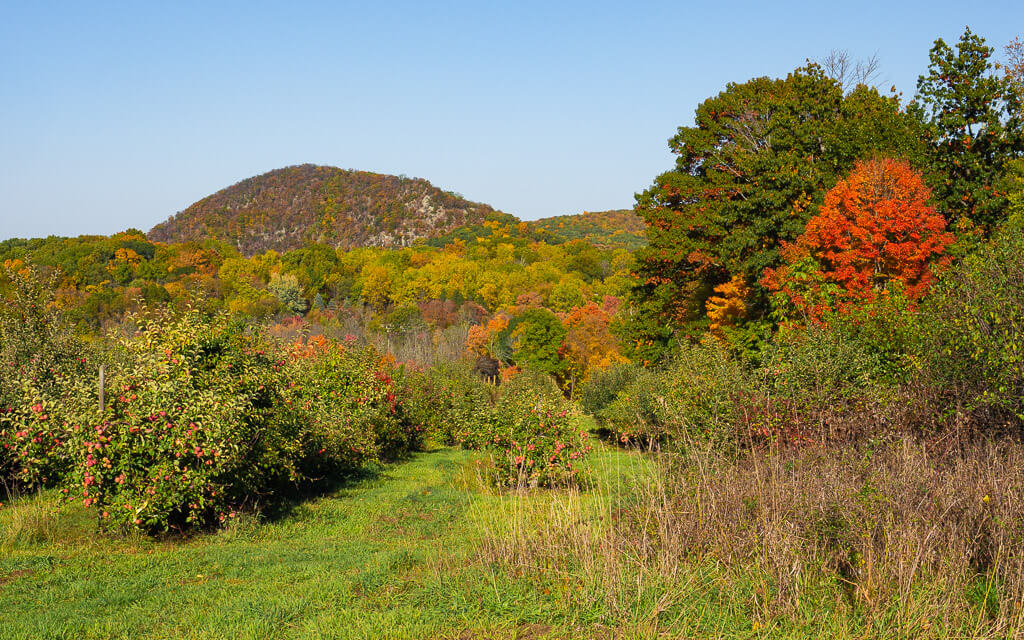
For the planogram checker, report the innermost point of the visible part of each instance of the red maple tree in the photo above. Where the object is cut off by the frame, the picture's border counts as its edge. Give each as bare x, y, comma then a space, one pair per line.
875, 227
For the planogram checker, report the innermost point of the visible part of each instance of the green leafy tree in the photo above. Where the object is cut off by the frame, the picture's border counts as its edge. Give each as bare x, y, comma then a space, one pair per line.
312, 264
534, 339
749, 174
286, 288
975, 127
973, 330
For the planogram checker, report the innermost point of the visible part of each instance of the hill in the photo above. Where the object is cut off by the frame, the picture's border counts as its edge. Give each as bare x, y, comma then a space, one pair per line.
618, 228
288, 208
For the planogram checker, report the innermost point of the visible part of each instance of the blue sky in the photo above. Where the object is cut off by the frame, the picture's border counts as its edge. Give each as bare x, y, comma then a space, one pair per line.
119, 115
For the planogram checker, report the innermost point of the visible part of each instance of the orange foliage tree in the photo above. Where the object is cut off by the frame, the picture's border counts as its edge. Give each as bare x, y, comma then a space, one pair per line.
875, 227
727, 305
589, 344
480, 340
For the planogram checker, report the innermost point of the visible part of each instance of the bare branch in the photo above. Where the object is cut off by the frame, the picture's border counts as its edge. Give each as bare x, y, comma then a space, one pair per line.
850, 73
865, 72
1014, 67
837, 65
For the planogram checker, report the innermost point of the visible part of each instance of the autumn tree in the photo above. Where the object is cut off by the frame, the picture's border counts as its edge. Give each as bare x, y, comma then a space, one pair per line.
567, 294
727, 306
124, 265
589, 344
439, 313
749, 175
975, 127
875, 227
376, 290
481, 337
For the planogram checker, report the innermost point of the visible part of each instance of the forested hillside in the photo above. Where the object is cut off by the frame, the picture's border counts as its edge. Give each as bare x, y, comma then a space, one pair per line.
290, 207
494, 265
605, 229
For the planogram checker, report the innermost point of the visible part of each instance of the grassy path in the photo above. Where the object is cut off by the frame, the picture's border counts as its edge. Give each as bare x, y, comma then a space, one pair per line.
401, 554
392, 555
396, 554
389, 556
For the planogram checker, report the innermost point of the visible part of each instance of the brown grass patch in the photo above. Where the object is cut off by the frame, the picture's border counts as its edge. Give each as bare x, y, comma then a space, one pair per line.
931, 543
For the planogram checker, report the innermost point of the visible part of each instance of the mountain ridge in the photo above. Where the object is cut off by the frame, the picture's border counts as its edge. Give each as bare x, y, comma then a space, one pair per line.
286, 208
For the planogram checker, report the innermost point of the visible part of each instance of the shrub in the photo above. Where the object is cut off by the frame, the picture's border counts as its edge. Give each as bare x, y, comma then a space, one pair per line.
199, 424
604, 385
636, 414
207, 416
690, 398
350, 399
454, 403
702, 382
538, 449
35, 427
887, 335
532, 438
526, 428
526, 390
817, 384
45, 378
415, 390
36, 339
973, 324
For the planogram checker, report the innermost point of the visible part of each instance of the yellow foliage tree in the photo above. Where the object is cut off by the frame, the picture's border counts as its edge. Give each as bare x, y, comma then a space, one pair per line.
376, 286
727, 305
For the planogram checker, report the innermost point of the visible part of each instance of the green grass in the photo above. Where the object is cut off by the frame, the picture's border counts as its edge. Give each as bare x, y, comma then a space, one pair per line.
391, 555
399, 553
369, 556
394, 554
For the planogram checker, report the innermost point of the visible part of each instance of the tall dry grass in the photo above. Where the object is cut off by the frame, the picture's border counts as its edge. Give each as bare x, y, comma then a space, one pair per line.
27, 521
911, 542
